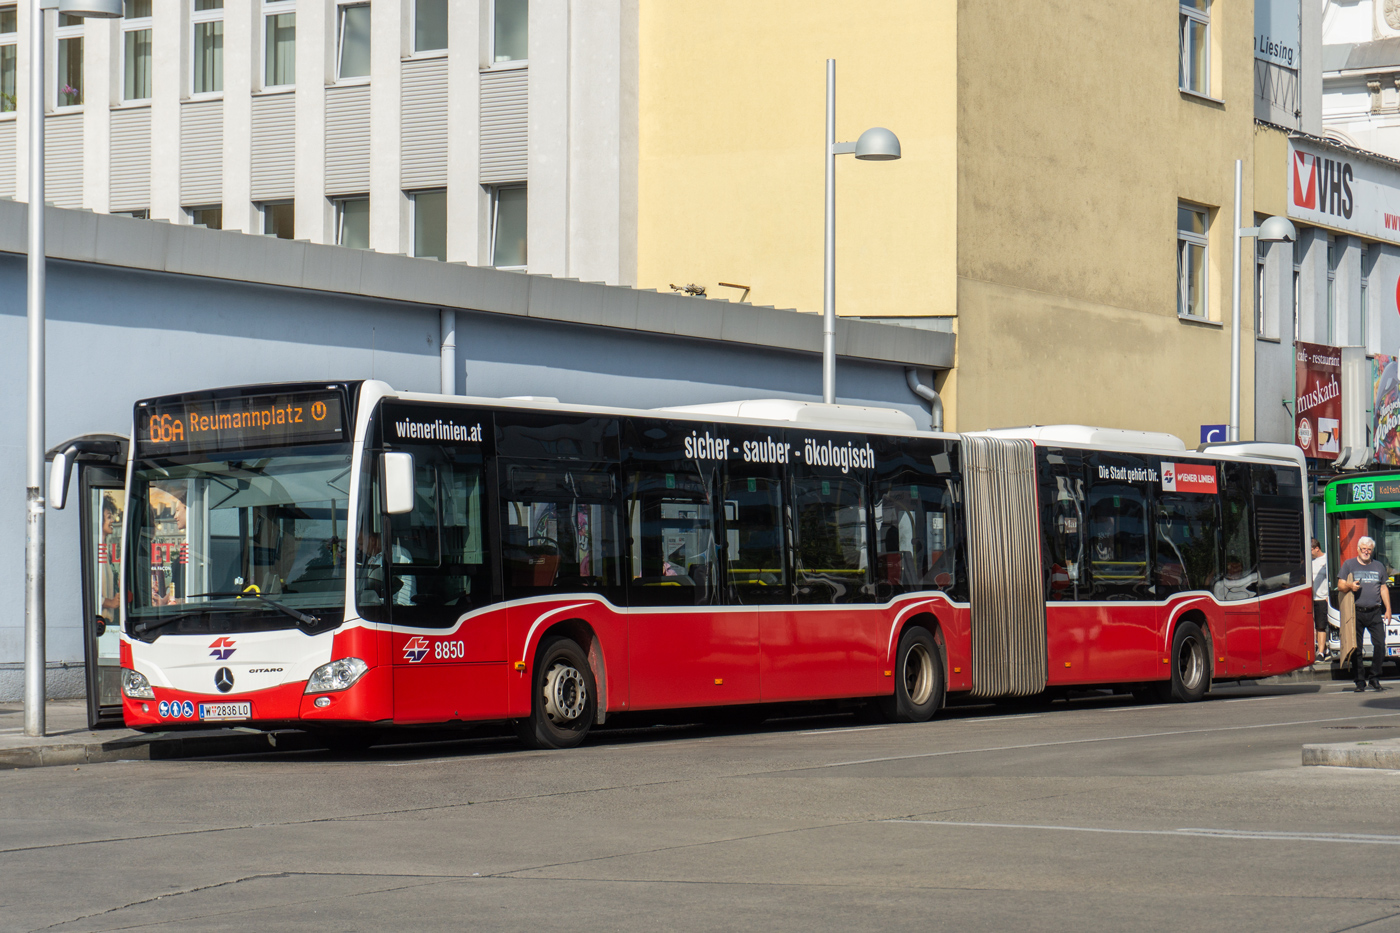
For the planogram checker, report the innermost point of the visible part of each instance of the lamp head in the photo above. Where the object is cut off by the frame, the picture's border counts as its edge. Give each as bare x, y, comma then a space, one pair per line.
1277, 229
93, 9
877, 144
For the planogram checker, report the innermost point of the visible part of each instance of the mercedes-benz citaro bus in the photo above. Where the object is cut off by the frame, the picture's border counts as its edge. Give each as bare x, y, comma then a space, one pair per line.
343, 556
1357, 506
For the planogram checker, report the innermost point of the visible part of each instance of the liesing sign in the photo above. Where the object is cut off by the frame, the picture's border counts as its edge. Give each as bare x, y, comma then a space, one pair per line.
1318, 416
1276, 31
1340, 189
241, 422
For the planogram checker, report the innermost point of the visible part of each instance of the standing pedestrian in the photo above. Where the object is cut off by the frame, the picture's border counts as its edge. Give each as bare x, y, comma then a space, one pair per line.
1319, 582
1367, 579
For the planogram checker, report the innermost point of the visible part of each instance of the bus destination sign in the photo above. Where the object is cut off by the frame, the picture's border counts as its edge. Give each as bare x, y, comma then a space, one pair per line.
1371, 491
239, 423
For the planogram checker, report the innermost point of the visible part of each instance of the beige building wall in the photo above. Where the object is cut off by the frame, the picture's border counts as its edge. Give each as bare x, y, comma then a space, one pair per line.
731, 117
1070, 168
1045, 150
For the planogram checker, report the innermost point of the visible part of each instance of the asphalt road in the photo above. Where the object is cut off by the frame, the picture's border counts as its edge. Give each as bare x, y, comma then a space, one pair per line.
1097, 814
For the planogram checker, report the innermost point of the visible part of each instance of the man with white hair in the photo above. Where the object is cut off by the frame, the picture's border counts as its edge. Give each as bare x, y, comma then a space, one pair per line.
1368, 580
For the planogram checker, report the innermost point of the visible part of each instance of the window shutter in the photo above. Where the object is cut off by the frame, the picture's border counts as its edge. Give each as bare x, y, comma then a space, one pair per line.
347, 139
202, 152
504, 136
424, 131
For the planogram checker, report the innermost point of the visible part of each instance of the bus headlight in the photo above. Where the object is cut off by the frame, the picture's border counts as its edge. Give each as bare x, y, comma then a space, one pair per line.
336, 675
136, 686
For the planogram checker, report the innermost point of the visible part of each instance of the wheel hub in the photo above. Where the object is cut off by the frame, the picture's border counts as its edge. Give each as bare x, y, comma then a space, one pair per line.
565, 693
918, 675
1190, 667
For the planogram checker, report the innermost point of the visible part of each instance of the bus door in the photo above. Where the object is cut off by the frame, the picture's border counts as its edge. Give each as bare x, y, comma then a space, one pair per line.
1237, 581
684, 648
431, 570
100, 460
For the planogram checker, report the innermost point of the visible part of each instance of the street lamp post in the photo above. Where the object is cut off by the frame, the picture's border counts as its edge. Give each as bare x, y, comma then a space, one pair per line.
35, 653
876, 144
1272, 230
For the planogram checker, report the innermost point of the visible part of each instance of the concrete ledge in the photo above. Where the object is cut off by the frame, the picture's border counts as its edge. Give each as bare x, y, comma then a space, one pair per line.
1384, 754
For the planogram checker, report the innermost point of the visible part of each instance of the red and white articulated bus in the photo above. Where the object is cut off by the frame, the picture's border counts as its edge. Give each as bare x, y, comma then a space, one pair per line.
335, 557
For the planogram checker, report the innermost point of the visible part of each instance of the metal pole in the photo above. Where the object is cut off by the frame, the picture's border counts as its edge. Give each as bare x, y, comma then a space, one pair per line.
35, 655
1235, 317
829, 280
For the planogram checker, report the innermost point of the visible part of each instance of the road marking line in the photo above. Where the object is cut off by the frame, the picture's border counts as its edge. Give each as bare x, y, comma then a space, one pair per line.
1106, 738
852, 729
1262, 835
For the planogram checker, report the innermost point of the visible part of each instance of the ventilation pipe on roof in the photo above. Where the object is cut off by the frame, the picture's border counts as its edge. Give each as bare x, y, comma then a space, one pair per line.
928, 393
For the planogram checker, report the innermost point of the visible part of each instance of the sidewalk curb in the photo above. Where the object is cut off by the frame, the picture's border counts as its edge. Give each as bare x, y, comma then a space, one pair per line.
1384, 755
152, 748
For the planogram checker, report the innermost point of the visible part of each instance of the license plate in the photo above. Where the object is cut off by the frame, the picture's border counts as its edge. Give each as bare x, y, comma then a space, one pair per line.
1392, 651
225, 711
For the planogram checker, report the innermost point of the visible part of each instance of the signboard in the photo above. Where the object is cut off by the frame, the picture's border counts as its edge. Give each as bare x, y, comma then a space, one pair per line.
1341, 189
1276, 31
1317, 419
1188, 477
1215, 433
1385, 447
241, 422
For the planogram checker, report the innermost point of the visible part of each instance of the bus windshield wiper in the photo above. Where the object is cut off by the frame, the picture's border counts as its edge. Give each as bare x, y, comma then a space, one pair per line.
302, 617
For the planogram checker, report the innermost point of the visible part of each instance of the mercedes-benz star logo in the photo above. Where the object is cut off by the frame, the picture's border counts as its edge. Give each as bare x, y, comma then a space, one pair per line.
224, 680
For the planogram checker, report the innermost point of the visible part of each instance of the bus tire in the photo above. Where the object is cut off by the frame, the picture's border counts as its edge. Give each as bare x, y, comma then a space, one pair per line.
564, 698
1190, 663
919, 683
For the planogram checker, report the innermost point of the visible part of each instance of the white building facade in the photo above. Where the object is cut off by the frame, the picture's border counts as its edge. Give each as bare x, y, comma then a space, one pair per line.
491, 132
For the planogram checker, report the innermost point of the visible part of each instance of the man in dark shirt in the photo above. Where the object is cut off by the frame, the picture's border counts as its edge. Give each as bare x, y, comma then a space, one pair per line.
1369, 581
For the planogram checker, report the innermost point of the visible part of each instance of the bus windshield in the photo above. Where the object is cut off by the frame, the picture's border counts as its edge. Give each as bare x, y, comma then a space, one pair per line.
248, 540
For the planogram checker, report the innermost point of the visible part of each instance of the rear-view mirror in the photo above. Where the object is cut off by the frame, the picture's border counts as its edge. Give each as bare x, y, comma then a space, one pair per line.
398, 483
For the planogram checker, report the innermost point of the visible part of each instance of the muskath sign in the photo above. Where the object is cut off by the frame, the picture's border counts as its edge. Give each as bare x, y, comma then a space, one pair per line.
1344, 190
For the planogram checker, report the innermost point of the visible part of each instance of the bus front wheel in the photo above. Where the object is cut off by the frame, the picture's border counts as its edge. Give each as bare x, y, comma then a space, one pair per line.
918, 679
563, 698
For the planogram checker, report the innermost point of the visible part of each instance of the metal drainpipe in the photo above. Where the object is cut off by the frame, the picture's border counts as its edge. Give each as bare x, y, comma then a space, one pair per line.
928, 393
447, 349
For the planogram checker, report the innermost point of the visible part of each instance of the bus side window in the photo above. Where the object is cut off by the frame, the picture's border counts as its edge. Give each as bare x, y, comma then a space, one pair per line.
1278, 514
559, 529
831, 560
1239, 577
1187, 541
1118, 528
670, 521
1063, 514
916, 540
755, 560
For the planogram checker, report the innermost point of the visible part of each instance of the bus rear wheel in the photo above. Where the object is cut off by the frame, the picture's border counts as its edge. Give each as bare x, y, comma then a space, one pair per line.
1190, 663
918, 679
563, 699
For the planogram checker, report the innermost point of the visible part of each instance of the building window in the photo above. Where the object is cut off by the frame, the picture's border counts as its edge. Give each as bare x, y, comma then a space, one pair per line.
9, 62
279, 43
208, 215
352, 222
1192, 226
1331, 294
508, 227
352, 40
136, 50
279, 219
1260, 255
1195, 46
143, 214
207, 47
510, 30
430, 224
68, 88
429, 25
